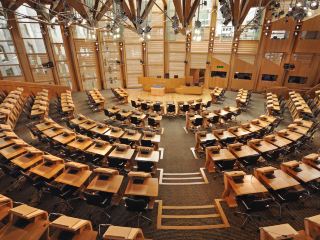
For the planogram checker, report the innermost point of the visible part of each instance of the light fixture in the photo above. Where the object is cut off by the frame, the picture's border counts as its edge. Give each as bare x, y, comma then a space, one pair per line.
314, 5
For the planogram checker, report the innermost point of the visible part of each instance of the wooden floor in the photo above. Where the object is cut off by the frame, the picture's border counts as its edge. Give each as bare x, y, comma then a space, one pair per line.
139, 93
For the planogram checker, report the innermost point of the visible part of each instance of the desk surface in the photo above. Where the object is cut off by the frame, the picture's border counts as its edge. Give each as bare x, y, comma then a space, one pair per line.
10, 152
281, 179
47, 172
127, 154
223, 155
153, 156
278, 141
61, 138
250, 185
149, 188
111, 185
263, 146
76, 180
100, 129
224, 135
26, 162
245, 151
306, 174
81, 145
278, 231
52, 132
99, 150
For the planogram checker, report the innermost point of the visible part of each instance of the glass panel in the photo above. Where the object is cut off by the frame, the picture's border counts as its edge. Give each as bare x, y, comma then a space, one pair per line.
223, 31
35, 46
66, 82
81, 32
8, 59
63, 69
9, 71
7, 47
26, 10
59, 52
36, 60
5, 34
30, 30
55, 34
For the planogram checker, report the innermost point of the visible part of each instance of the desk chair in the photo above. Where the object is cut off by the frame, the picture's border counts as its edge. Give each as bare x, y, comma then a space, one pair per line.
146, 143
197, 123
135, 121
208, 143
13, 172
227, 117
214, 120
205, 106
224, 166
118, 164
37, 183
145, 107
134, 104
249, 162
285, 196
184, 108
65, 193
145, 166
156, 107
110, 116
225, 142
252, 204
138, 206
152, 123
102, 200
171, 109
196, 107
126, 141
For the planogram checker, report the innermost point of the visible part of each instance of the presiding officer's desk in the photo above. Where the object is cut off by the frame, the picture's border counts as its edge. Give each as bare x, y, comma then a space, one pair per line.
170, 84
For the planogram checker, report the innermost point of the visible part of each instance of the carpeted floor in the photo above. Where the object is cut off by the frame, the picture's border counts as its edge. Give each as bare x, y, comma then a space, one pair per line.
178, 158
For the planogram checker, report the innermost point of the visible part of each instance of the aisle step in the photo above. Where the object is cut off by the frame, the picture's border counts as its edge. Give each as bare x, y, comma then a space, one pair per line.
214, 214
192, 178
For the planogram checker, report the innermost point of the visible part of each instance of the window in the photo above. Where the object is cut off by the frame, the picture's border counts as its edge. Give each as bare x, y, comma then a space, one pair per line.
269, 77
279, 34
242, 76
218, 74
9, 63
297, 79
310, 35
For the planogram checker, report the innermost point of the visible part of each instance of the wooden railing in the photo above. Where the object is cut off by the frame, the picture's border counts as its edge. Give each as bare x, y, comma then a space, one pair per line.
32, 88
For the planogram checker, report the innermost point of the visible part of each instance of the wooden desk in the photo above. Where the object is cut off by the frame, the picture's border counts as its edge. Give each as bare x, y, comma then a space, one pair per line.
155, 139
249, 185
101, 148
81, 143
65, 138
125, 233
284, 231
76, 180
149, 188
50, 168
114, 134
298, 129
110, 185
88, 125
312, 226
5, 142
221, 155
262, 146
293, 136
26, 160
54, 131
157, 91
304, 123
244, 151
81, 228
277, 140
239, 132
12, 152
126, 154
36, 229
307, 173
5, 205
223, 135
313, 160
280, 179
100, 129
153, 156
134, 137
79, 120
44, 125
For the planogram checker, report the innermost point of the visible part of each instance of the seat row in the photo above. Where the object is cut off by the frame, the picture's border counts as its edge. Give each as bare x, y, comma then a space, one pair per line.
270, 147
70, 180
274, 105
95, 100
298, 106
217, 94
39, 105
22, 221
254, 129
11, 107
243, 98
65, 105
121, 94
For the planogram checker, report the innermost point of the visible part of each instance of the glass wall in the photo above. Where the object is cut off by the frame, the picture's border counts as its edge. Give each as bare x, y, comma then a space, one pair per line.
60, 56
31, 33
9, 62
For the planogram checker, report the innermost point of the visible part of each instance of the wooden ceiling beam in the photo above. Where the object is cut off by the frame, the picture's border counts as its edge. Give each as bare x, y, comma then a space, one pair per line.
105, 7
80, 7
178, 7
236, 12
95, 8
245, 10
193, 10
139, 2
132, 9
13, 4
127, 11
187, 6
147, 9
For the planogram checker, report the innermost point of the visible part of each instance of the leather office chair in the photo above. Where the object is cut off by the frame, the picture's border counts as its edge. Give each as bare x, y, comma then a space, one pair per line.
135, 121
145, 166
285, 196
126, 141
134, 104
197, 107
65, 193
252, 204
137, 206
145, 107
249, 162
118, 164
102, 200
207, 105
146, 143
157, 108
184, 108
153, 123
197, 123
171, 109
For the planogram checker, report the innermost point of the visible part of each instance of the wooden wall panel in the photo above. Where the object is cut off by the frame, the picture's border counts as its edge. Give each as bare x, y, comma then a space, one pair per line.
217, 81
243, 67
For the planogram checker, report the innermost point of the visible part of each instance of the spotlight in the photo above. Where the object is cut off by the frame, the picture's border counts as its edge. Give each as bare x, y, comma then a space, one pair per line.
147, 29
314, 5
197, 24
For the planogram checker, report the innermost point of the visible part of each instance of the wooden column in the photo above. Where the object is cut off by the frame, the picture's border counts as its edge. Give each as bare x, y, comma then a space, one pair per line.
188, 56
100, 60
165, 44
20, 48
233, 55
144, 58
122, 66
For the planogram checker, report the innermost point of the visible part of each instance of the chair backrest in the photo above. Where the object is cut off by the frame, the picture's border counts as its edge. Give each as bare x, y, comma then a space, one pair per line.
156, 107
144, 106
208, 104
171, 108
133, 104
144, 166
93, 198
136, 204
133, 119
146, 143
185, 107
118, 116
124, 141
152, 122
106, 112
226, 165
198, 121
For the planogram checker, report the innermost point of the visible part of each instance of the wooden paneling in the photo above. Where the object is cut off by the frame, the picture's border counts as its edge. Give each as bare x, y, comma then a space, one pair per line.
242, 67
217, 81
28, 87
